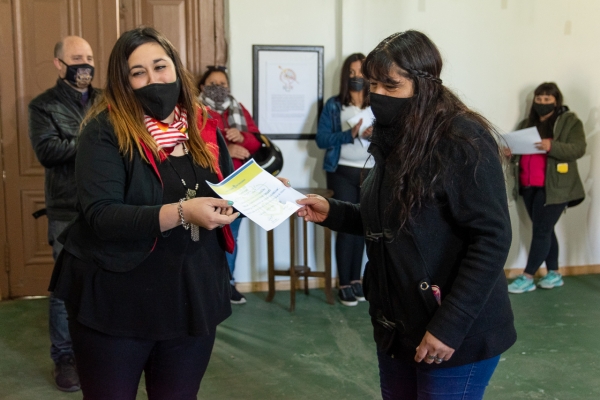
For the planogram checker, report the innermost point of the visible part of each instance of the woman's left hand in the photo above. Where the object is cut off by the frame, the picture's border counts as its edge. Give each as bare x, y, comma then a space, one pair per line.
545, 144
432, 349
234, 135
208, 212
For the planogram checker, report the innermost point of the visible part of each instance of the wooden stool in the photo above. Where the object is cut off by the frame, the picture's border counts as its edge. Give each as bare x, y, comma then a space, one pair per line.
296, 272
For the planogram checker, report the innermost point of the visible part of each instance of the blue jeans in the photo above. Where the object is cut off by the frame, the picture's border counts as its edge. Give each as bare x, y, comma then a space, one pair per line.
406, 380
59, 328
235, 229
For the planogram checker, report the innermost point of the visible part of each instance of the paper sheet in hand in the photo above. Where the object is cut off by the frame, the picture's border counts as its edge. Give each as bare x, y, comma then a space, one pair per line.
523, 141
367, 120
259, 195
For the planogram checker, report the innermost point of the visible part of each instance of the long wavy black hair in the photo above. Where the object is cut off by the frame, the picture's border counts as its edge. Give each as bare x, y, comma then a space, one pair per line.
420, 162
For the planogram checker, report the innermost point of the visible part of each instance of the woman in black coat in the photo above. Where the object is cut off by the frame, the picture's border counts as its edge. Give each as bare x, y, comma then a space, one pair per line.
434, 213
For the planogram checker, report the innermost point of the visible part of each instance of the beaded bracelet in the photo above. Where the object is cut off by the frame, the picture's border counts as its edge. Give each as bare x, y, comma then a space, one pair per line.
186, 225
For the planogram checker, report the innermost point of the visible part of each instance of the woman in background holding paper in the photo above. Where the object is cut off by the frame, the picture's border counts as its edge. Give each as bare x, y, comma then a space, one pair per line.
346, 163
548, 182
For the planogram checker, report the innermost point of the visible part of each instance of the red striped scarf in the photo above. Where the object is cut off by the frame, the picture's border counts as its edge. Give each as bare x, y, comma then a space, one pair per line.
169, 136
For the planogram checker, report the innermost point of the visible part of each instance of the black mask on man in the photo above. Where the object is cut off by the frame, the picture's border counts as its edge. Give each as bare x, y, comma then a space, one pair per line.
159, 99
79, 75
543, 109
389, 110
356, 84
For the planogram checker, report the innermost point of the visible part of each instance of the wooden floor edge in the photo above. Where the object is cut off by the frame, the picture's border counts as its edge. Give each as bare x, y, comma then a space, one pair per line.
319, 283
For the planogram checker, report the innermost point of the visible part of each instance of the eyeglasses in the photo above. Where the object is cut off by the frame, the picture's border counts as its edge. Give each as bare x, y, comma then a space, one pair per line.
216, 68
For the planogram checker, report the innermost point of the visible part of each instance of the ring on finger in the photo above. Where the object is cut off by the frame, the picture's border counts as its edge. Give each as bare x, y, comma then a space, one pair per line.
220, 226
438, 360
430, 357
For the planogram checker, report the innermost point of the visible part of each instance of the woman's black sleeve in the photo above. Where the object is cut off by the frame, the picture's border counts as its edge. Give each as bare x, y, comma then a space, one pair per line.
101, 177
344, 217
477, 202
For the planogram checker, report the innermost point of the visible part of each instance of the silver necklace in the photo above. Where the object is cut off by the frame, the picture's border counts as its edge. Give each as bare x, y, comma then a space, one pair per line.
189, 194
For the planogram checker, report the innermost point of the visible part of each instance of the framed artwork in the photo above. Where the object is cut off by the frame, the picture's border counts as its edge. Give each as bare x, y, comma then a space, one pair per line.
287, 90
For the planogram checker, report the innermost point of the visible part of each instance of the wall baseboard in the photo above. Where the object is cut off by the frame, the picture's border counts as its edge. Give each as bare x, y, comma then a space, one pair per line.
319, 283
313, 283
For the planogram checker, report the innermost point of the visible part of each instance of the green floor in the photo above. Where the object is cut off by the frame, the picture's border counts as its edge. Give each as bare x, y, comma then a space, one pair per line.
326, 352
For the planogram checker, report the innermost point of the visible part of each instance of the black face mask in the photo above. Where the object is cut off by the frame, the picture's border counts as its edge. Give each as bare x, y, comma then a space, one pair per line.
389, 110
356, 84
79, 75
543, 109
159, 99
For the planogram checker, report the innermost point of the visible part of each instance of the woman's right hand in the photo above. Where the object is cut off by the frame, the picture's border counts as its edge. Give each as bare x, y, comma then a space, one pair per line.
209, 212
356, 128
315, 208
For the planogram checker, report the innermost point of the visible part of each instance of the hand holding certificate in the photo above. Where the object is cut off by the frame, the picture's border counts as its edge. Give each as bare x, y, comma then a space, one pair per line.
259, 195
523, 141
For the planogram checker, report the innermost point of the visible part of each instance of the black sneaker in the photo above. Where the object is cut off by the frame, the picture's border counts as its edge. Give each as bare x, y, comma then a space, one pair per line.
358, 291
236, 297
65, 374
347, 297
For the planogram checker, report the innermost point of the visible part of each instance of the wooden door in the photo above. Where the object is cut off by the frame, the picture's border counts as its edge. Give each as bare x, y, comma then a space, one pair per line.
195, 27
30, 29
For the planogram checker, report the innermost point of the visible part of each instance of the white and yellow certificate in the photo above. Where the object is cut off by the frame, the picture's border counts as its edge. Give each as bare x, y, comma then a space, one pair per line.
259, 195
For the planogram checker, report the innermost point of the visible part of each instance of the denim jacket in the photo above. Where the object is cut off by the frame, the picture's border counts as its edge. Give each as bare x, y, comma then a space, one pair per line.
330, 135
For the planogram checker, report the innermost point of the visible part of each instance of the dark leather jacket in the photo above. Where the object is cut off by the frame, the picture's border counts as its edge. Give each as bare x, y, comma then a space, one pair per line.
54, 119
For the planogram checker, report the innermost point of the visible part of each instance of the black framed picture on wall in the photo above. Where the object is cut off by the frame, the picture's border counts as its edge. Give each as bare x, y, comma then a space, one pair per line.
287, 90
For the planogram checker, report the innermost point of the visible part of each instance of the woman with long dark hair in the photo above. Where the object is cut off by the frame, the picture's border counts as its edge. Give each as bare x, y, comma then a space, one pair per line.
346, 163
548, 182
434, 213
143, 272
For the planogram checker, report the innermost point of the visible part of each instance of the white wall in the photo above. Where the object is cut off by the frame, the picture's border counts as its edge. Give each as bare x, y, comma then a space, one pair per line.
495, 53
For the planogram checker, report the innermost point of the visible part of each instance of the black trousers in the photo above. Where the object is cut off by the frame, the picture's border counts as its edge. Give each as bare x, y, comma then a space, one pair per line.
110, 367
544, 245
345, 183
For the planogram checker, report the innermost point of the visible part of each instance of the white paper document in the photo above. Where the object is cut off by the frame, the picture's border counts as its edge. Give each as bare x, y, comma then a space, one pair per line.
523, 141
367, 120
259, 195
